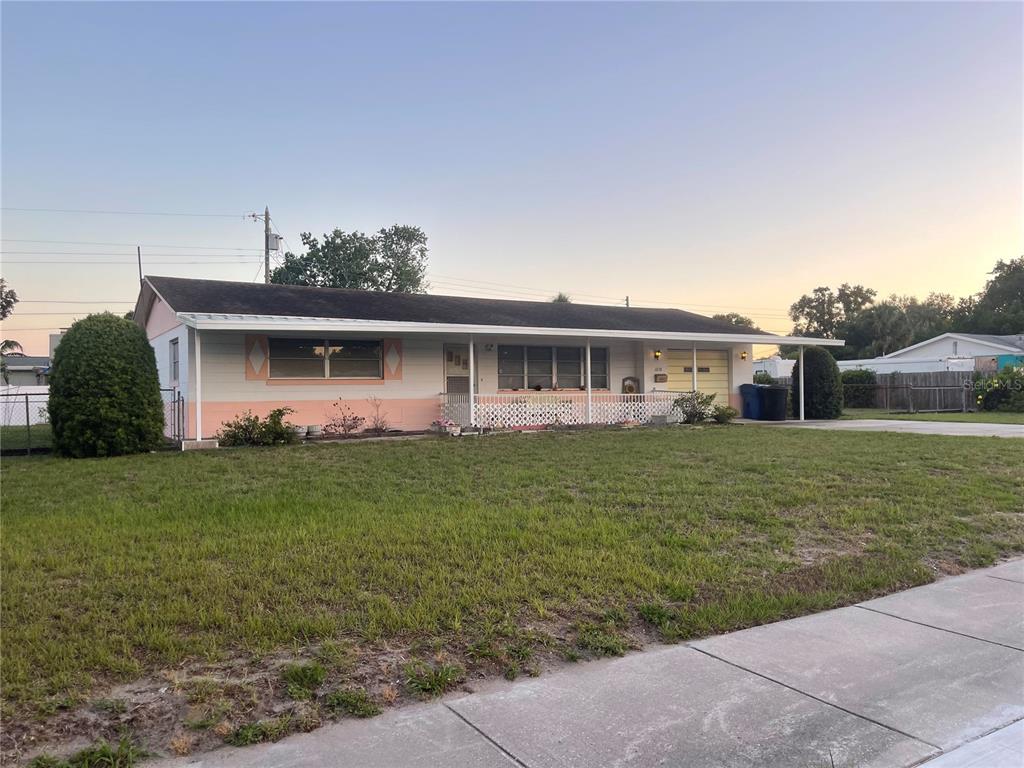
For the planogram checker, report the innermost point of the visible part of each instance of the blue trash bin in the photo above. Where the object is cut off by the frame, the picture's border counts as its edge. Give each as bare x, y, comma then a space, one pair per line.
751, 396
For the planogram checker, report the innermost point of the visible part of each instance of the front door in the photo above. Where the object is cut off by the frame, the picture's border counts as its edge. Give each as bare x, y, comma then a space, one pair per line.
456, 369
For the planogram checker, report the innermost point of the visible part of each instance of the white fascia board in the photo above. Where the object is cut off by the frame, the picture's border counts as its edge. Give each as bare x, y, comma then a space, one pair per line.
264, 323
958, 337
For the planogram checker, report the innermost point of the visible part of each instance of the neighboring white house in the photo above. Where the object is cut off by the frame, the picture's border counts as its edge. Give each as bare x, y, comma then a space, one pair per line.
26, 370
775, 366
948, 352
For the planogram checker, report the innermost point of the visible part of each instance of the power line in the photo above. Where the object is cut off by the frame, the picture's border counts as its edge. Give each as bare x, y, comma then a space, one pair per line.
130, 261
131, 245
72, 301
105, 253
125, 213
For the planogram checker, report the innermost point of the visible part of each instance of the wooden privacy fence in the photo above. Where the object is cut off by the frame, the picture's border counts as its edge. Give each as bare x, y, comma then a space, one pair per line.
919, 391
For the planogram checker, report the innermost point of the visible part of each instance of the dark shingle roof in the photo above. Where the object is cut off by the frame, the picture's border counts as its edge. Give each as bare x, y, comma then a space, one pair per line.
231, 298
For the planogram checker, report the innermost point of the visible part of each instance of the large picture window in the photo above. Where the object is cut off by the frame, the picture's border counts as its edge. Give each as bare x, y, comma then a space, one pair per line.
324, 359
354, 360
532, 367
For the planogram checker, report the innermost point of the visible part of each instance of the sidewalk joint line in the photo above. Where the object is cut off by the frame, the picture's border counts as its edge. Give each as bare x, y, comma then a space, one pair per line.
494, 743
819, 699
1002, 578
940, 629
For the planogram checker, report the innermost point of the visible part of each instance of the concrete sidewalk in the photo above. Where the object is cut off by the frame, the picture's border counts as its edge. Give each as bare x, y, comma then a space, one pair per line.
937, 670
972, 429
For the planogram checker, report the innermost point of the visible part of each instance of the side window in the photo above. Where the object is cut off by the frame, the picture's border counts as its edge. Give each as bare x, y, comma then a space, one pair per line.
173, 357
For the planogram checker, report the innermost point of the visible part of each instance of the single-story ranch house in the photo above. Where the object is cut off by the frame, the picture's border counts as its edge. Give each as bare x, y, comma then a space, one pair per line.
230, 347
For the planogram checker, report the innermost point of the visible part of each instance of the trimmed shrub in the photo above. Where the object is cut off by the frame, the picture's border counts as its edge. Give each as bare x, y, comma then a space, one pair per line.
763, 377
249, 429
859, 389
824, 397
104, 390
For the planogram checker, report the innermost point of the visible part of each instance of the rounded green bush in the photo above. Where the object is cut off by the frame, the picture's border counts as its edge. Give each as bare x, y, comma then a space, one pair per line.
824, 397
104, 390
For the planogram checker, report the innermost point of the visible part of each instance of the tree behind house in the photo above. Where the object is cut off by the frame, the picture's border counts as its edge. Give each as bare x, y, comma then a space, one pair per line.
393, 259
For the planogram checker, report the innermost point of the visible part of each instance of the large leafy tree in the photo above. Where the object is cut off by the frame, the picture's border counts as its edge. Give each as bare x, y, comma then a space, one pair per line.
822, 312
735, 318
393, 259
999, 308
878, 330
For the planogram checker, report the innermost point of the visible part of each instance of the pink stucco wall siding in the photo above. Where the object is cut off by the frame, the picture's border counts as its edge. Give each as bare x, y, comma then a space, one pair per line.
401, 413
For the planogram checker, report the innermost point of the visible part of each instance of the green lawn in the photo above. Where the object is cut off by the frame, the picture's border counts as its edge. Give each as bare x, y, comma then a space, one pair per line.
976, 417
481, 553
18, 437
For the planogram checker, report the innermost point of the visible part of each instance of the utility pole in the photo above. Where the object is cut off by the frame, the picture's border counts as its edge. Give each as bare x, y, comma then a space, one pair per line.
627, 301
266, 244
138, 252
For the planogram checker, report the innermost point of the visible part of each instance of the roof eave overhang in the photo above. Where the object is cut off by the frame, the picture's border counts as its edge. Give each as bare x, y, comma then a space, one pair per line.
265, 323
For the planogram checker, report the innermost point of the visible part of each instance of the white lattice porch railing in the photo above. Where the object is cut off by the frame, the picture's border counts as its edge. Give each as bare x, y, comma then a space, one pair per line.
608, 408
536, 409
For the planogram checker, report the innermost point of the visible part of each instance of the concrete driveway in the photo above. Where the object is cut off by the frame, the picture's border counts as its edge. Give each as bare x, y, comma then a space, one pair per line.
913, 427
936, 671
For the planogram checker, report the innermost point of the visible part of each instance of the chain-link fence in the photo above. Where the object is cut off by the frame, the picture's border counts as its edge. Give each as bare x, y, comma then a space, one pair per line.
25, 419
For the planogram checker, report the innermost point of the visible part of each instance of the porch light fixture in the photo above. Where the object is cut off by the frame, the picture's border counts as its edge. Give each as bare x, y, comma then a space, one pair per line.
657, 354
743, 355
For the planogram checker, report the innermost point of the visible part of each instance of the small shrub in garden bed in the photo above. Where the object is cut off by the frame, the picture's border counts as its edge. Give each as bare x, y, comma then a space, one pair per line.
344, 422
694, 407
763, 377
824, 396
250, 429
723, 414
859, 389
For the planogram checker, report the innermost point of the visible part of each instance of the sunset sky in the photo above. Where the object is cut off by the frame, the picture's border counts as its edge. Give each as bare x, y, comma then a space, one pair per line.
713, 157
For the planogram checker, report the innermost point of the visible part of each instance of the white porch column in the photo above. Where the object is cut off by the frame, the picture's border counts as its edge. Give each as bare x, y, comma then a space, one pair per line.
801, 383
590, 401
199, 391
472, 384
693, 368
